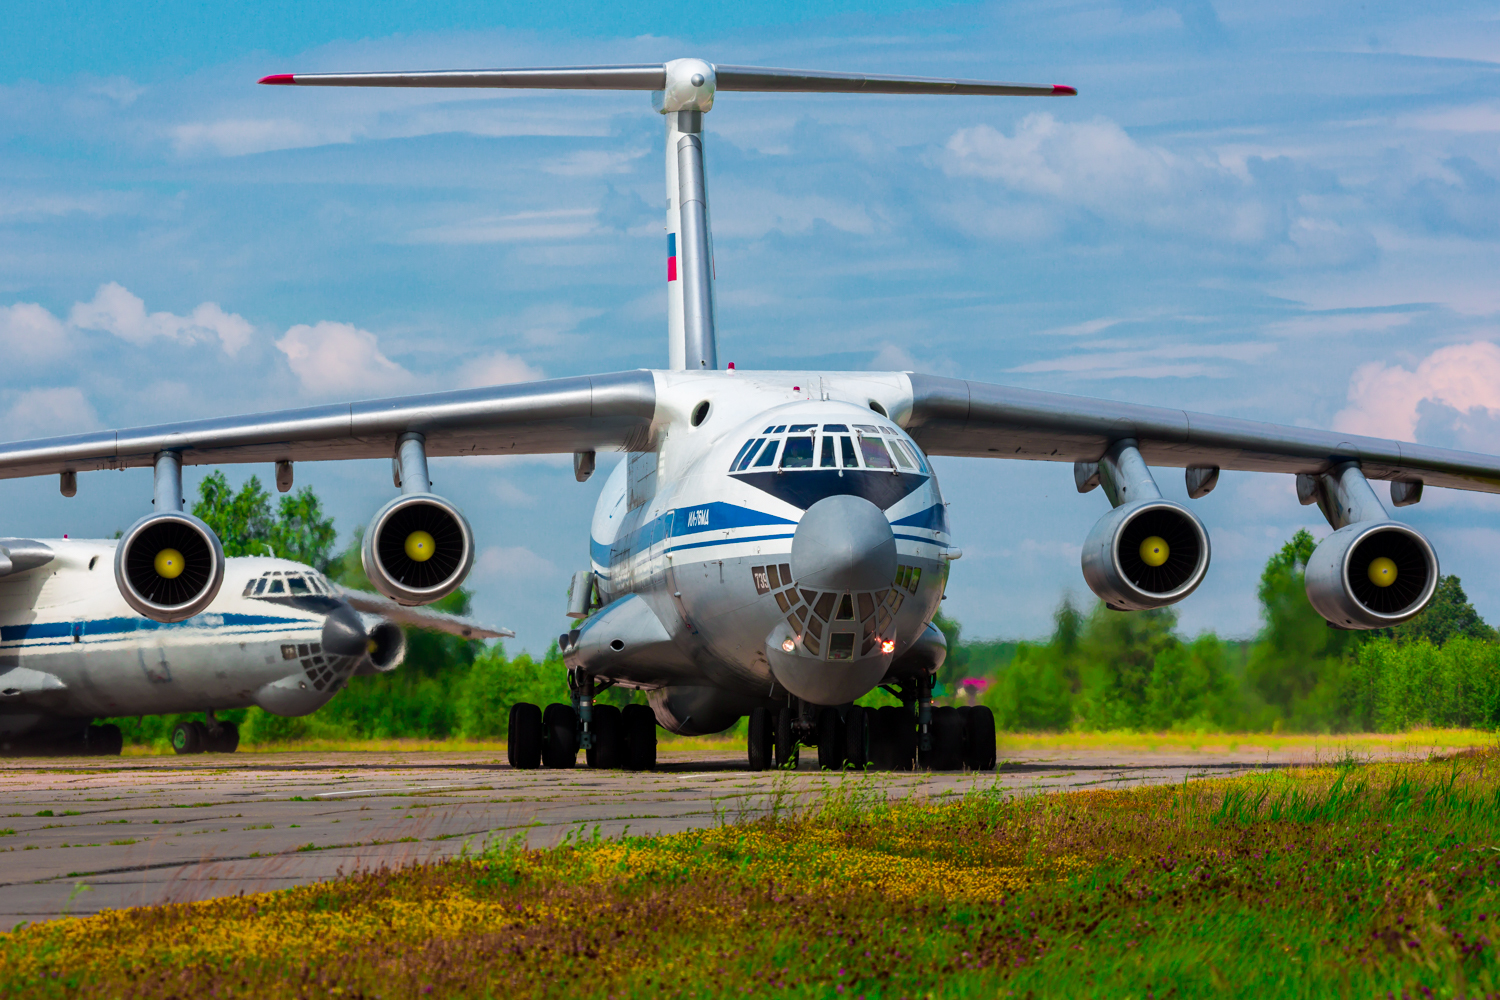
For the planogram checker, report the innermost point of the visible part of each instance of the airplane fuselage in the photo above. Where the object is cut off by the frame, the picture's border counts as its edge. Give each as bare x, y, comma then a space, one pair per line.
71, 650
786, 534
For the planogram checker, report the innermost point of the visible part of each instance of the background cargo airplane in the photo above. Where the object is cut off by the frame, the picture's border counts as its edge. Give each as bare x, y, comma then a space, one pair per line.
280, 636
774, 543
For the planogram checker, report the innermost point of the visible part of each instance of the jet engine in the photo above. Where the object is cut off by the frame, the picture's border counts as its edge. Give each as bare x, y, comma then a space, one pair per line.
169, 566
1372, 574
385, 649
418, 549
1145, 554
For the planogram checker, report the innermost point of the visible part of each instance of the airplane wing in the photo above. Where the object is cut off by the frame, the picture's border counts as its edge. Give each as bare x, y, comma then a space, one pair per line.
433, 621
960, 417
527, 418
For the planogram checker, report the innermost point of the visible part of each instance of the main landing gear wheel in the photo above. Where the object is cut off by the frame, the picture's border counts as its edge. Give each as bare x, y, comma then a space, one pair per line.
979, 742
638, 724
761, 739
947, 753
187, 737
523, 741
559, 736
608, 751
103, 741
893, 739
830, 740
786, 743
224, 739
857, 738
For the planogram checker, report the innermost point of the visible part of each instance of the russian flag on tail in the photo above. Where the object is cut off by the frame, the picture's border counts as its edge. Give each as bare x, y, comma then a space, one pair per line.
671, 256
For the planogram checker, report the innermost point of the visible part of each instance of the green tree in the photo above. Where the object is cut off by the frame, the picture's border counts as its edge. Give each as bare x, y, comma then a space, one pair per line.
241, 520
302, 531
1449, 615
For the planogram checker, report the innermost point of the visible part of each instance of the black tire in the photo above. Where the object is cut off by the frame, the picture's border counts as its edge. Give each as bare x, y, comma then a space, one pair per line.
948, 739
762, 739
608, 751
104, 741
786, 743
559, 736
979, 743
639, 724
856, 738
897, 737
523, 742
227, 739
187, 738
830, 740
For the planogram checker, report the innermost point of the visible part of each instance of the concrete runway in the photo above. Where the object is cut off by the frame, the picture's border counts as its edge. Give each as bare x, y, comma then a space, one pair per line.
80, 835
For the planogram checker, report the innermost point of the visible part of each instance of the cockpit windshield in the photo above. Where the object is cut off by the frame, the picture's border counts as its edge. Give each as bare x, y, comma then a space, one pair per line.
833, 446
288, 583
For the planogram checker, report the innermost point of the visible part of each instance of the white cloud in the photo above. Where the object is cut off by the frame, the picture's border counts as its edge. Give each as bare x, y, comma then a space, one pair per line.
239, 136
30, 332
339, 358
512, 563
563, 224
497, 369
1385, 401
39, 413
115, 309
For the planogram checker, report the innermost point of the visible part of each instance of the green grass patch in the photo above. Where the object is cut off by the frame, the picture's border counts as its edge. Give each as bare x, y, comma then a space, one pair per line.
1346, 880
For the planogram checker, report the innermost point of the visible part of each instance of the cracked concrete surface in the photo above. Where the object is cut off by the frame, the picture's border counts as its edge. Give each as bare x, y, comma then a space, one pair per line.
80, 835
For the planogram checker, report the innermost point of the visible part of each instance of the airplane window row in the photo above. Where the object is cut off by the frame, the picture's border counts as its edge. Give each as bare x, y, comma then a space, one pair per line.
277, 583
840, 449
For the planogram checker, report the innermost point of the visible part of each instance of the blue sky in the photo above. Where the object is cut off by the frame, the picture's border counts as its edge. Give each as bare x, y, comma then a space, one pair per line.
1278, 211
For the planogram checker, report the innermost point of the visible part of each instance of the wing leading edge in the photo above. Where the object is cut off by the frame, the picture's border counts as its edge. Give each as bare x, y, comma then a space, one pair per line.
526, 418
981, 420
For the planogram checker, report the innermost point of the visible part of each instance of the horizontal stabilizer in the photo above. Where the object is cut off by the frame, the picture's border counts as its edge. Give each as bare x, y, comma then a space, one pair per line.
433, 621
654, 77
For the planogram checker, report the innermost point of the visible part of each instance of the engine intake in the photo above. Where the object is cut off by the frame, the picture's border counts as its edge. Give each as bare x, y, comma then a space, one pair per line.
169, 566
1145, 554
418, 549
1372, 574
387, 647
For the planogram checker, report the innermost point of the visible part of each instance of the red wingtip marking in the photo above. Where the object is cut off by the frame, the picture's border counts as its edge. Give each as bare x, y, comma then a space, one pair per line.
279, 78
1061, 89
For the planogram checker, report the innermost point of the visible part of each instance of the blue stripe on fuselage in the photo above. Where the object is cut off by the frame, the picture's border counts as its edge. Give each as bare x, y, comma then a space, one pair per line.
101, 627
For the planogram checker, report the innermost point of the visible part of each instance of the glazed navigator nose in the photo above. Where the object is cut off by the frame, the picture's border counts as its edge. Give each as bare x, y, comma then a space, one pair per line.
844, 543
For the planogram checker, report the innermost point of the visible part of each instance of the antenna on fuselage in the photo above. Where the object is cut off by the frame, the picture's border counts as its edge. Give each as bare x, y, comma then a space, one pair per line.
683, 90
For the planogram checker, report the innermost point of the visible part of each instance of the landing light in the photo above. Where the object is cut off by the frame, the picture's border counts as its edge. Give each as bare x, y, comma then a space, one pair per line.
887, 645
788, 645
420, 546
1382, 571
169, 565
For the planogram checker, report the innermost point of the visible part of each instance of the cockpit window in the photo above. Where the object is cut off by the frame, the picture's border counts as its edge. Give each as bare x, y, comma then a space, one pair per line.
736, 463
297, 585
875, 453
898, 449
768, 454
260, 588
831, 428
277, 587
828, 461
801, 428
867, 428
798, 453
748, 453
779, 429
847, 445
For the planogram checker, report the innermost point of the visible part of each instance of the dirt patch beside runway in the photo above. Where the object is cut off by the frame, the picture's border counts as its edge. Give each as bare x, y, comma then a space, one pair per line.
80, 835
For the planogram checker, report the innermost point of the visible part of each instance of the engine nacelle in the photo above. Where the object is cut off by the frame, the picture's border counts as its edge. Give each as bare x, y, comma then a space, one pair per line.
386, 649
1129, 574
169, 566
1372, 574
418, 549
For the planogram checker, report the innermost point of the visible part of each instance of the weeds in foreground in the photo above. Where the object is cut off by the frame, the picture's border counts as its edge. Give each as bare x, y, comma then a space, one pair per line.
1344, 880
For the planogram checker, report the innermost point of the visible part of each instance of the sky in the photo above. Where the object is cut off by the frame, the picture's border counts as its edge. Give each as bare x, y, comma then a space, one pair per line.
1276, 211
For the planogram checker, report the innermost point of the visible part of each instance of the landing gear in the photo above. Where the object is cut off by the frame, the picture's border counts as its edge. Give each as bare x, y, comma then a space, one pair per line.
221, 738
786, 741
857, 737
524, 738
979, 739
831, 741
559, 736
215, 736
947, 736
608, 750
103, 741
187, 737
639, 725
762, 739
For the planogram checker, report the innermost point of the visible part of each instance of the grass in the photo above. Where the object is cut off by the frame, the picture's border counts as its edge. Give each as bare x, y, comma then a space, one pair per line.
1354, 880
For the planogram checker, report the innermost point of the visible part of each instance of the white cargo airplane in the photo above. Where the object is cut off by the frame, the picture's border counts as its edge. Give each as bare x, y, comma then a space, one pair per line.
282, 637
774, 543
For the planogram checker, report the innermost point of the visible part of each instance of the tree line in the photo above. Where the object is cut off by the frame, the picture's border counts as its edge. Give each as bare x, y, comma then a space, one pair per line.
1099, 670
